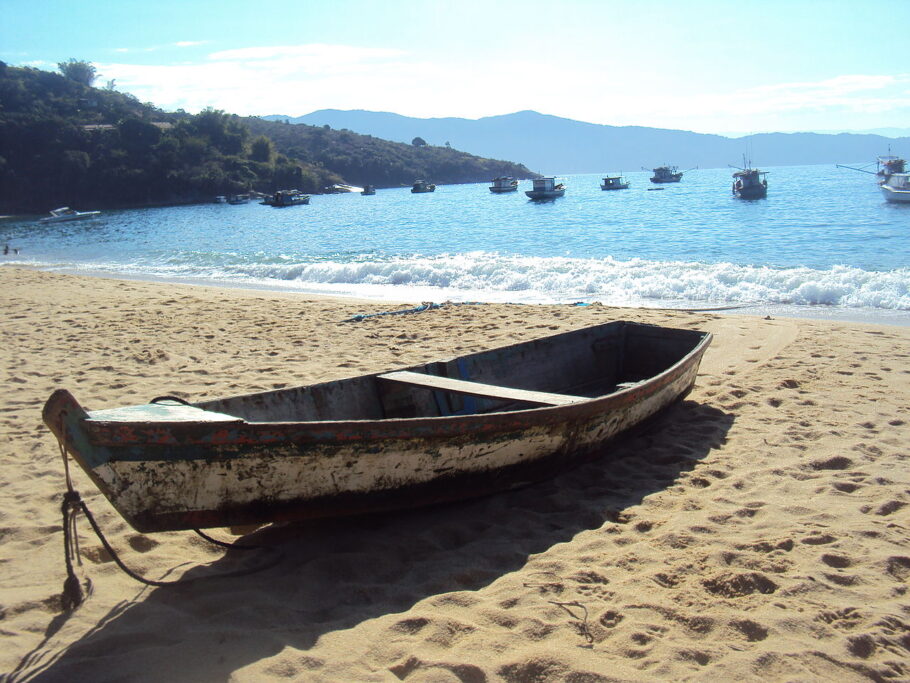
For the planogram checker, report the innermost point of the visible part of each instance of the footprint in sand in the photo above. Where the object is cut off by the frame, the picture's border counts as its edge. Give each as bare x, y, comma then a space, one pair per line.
752, 630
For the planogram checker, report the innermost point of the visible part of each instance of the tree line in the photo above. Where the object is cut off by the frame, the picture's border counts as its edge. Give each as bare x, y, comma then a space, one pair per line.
65, 142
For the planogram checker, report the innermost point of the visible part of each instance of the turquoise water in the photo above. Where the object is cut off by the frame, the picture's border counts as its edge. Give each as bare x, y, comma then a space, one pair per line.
824, 242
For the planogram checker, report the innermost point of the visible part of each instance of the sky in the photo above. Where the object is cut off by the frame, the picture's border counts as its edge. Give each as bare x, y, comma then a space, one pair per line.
708, 66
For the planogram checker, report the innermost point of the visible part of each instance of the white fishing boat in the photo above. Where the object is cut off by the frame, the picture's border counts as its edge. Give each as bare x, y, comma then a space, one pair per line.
503, 184
614, 182
65, 213
897, 188
546, 188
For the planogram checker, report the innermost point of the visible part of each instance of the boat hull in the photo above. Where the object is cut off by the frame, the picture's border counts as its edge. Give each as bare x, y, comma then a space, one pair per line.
753, 192
71, 217
544, 194
196, 474
895, 196
501, 190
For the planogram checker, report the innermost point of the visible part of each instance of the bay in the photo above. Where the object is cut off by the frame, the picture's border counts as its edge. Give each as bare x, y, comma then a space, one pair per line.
824, 243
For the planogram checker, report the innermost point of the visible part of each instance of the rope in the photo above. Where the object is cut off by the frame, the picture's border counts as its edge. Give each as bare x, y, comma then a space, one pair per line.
72, 505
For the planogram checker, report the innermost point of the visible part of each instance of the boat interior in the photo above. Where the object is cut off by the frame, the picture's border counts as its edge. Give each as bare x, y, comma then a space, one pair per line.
557, 370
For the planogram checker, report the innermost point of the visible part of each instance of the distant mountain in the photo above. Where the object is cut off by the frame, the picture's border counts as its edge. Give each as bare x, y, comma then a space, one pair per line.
550, 144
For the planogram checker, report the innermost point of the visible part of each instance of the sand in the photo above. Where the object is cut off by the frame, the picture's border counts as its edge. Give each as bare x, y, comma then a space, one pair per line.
758, 531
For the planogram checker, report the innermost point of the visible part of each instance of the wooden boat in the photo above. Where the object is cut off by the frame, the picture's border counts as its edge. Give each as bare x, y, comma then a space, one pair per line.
65, 213
238, 199
287, 198
368, 190
437, 432
420, 186
614, 182
546, 188
896, 188
666, 174
750, 183
503, 184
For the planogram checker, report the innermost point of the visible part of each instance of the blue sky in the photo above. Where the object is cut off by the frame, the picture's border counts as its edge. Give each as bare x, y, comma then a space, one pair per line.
708, 66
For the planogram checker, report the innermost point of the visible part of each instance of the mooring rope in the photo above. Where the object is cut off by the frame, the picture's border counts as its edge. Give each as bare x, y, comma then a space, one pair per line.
73, 504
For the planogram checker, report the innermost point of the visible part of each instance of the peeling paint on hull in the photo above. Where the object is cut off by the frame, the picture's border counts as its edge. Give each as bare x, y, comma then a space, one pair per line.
193, 474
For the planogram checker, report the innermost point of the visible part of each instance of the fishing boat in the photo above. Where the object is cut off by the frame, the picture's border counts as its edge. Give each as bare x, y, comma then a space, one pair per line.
614, 182
896, 188
421, 186
750, 183
440, 431
503, 184
368, 190
666, 174
238, 199
287, 198
546, 188
65, 213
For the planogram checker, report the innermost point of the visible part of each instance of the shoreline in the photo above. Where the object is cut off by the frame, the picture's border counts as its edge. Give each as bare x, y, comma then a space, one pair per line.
834, 314
756, 531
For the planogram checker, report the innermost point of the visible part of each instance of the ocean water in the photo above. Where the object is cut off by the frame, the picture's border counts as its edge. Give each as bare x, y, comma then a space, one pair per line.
823, 244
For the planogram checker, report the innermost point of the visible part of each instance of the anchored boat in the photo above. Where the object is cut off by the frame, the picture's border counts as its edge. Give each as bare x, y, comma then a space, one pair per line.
441, 431
615, 182
666, 174
421, 186
65, 213
287, 198
750, 183
546, 188
504, 184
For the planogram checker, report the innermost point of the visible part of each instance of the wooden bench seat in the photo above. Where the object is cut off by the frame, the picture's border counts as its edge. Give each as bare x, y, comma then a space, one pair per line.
460, 386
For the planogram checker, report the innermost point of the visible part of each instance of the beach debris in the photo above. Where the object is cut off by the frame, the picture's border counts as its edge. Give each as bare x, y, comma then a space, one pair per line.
425, 306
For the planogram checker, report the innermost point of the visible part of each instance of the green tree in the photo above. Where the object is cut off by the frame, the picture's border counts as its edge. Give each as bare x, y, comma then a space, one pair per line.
78, 70
262, 149
419, 142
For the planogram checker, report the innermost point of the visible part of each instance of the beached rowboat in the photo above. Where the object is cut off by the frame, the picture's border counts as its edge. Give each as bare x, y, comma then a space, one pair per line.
442, 431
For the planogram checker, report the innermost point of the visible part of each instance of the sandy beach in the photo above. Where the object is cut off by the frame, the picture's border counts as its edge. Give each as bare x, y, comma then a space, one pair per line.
758, 531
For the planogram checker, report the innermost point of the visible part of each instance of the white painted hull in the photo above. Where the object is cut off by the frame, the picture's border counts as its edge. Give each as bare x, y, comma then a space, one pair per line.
896, 196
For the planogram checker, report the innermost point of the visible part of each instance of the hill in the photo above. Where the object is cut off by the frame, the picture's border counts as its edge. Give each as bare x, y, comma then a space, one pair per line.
550, 144
66, 143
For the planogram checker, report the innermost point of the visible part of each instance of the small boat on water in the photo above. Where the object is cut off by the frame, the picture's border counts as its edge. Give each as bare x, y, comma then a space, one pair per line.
238, 199
287, 198
422, 186
368, 190
666, 174
503, 184
546, 188
440, 431
750, 183
614, 182
342, 188
65, 213
896, 188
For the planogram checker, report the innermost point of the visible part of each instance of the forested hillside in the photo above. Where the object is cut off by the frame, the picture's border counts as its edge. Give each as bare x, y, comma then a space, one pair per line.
63, 142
